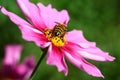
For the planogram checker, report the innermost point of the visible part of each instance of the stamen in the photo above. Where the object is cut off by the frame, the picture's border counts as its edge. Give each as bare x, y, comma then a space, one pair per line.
56, 35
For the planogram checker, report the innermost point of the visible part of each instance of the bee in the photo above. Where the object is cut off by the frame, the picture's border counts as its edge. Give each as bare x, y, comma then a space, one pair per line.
59, 30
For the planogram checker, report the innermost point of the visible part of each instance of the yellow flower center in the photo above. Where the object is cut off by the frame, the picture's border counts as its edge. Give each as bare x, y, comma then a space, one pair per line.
56, 35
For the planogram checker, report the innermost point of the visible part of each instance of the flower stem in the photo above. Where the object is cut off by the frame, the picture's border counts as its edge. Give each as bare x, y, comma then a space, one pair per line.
40, 60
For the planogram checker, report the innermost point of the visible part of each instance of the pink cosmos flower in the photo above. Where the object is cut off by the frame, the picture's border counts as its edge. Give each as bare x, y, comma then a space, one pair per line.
11, 70
47, 28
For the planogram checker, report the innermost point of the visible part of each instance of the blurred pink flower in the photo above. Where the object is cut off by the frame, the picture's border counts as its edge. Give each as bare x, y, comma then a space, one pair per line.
47, 28
11, 70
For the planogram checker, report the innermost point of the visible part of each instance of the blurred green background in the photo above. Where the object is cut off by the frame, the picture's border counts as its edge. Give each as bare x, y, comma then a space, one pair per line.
100, 22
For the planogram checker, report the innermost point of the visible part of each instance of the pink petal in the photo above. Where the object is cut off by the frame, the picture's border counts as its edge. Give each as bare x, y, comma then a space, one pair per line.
16, 19
32, 13
95, 54
82, 64
28, 32
51, 15
26, 67
55, 57
86, 49
78, 38
91, 69
12, 54
31, 34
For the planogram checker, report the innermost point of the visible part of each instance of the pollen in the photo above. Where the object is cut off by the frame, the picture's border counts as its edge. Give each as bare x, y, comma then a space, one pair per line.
56, 35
